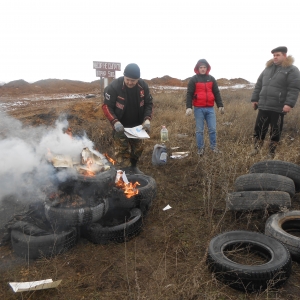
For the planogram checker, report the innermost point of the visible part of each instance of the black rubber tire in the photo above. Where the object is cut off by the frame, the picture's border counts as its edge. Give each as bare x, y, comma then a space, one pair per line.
89, 188
278, 167
65, 217
147, 191
99, 234
264, 182
257, 200
249, 278
281, 226
33, 247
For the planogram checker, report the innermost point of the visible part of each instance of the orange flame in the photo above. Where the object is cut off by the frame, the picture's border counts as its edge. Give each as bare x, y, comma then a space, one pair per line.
128, 188
89, 172
109, 158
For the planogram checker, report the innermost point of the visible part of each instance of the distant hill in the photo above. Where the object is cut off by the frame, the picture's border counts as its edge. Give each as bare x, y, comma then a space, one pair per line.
60, 86
168, 81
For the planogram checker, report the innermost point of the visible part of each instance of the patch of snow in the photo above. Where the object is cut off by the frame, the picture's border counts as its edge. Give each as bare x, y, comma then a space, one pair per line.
166, 87
12, 105
238, 86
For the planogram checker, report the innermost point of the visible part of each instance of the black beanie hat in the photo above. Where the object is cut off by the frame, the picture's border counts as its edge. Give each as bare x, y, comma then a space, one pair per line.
132, 71
282, 49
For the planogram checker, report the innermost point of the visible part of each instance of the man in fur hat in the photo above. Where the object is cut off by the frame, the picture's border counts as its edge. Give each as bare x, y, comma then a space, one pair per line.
275, 94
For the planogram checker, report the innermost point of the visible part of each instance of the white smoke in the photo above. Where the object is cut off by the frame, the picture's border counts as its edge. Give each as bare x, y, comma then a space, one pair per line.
25, 171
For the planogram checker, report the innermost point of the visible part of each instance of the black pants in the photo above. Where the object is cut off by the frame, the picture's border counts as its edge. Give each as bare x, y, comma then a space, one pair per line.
263, 120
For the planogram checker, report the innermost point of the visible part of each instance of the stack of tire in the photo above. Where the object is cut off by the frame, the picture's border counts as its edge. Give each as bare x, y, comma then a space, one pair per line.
279, 245
106, 218
32, 235
124, 218
270, 185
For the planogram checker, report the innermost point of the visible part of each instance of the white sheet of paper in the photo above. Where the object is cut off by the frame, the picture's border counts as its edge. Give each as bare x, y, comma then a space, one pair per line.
125, 179
136, 132
167, 207
34, 285
122, 174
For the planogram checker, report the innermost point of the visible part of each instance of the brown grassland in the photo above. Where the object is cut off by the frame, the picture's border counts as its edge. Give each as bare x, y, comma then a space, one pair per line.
167, 260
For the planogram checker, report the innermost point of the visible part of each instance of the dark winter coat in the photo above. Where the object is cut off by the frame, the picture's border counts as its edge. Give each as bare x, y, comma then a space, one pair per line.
115, 100
277, 86
203, 90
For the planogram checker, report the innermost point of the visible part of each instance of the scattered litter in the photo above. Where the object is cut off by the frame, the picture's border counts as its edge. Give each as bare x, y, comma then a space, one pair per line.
174, 148
167, 207
182, 135
179, 155
90, 96
34, 285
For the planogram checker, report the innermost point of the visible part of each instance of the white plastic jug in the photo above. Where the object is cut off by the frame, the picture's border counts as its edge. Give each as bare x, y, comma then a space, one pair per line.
159, 155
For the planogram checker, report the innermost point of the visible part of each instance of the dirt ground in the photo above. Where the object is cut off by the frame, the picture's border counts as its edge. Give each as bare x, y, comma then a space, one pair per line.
167, 259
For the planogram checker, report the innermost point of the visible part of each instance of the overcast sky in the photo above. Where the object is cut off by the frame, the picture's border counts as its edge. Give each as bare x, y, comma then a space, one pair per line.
43, 39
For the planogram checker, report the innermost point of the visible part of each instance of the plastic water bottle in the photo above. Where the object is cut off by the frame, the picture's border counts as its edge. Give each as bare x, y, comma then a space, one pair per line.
164, 134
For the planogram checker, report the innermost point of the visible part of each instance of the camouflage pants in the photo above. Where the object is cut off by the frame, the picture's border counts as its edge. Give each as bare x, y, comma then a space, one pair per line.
127, 149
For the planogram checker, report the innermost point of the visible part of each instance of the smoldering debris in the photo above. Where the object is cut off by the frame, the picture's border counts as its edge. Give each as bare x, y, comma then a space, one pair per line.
25, 171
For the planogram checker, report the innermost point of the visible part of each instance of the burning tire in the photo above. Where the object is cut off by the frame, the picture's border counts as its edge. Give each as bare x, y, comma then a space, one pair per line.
90, 187
264, 182
32, 247
257, 200
280, 168
147, 191
246, 277
285, 227
64, 217
104, 231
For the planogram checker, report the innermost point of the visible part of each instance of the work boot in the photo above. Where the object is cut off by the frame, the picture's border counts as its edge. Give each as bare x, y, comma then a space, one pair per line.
256, 147
133, 168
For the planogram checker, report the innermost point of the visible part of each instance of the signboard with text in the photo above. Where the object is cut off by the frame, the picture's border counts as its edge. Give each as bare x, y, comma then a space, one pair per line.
105, 73
106, 69
103, 65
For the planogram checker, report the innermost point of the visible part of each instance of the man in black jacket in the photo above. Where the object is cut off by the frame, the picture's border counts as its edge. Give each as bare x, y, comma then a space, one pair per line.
128, 103
275, 94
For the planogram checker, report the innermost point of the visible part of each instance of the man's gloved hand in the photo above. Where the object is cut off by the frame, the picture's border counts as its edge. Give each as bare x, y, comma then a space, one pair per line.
146, 125
119, 127
221, 110
188, 111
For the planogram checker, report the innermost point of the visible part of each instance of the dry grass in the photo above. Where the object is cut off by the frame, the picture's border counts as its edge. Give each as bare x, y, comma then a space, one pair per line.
167, 260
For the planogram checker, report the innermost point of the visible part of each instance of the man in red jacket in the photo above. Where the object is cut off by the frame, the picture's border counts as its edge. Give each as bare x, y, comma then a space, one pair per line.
202, 93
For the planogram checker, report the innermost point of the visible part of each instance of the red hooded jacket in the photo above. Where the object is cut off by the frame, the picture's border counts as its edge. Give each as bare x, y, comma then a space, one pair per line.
203, 90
